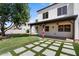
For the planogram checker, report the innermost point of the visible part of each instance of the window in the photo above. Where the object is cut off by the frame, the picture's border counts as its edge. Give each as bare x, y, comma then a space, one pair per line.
60, 28
46, 28
45, 15
62, 11
67, 28
64, 28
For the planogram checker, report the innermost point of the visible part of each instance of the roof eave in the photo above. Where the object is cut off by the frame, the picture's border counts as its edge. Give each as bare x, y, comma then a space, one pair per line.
47, 7
57, 19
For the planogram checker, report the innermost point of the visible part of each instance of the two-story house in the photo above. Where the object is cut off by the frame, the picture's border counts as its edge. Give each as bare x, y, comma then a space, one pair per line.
59, 20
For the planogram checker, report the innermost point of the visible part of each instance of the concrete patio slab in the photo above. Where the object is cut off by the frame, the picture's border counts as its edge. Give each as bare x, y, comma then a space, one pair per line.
6, 54
36, 43
28, 53
48, 52
48, 42
18, 50
56, 44
37, 48
63, 54
44, 45
68, 43
41, 41
29, 46
68, 46
53, 47
68, 51
69, 40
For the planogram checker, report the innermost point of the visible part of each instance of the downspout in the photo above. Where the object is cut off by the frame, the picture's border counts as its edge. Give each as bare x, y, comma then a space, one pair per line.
74, 30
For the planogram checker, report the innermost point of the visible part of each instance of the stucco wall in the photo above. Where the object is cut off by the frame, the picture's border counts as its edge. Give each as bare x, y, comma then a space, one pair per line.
54, 31
53, 11
22, 30
76, 12
73, 9
16, 31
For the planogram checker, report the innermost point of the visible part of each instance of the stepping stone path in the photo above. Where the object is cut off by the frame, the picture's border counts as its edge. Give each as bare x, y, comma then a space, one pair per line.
48, 42
56, 44
28, 53
54, 47
29, 46
44, 47
68, 51
41, 41
48, 52
67, 46
37, 48
18, 50
68, 43
63, 54
36, 43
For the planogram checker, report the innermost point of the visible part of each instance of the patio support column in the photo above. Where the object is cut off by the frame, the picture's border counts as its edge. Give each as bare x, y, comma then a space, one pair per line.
73, 28
30, 29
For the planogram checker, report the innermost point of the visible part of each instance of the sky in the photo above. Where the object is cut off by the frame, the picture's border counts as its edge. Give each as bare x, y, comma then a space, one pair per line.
34, 7
33, 11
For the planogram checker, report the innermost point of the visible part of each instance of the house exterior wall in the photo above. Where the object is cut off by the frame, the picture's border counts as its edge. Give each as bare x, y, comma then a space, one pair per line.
52, 11
76, 11
15, 31
54, 31
22, 30
72, 9
33, 30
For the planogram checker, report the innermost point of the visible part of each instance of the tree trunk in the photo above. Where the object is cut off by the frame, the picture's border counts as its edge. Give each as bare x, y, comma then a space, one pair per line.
2, 29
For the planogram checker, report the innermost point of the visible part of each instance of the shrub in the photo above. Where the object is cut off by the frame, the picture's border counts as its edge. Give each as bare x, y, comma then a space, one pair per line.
27, 30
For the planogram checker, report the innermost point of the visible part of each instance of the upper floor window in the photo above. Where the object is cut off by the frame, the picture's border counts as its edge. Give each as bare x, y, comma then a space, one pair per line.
45, 15
62, 11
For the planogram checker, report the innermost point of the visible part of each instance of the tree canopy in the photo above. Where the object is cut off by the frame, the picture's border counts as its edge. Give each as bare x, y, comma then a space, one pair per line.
15, 13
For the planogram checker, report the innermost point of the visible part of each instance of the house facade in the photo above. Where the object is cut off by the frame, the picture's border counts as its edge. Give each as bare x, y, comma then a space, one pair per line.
58, 20
22, 29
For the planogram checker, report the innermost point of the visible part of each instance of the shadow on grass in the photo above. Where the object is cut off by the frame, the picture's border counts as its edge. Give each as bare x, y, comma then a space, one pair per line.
13, 35
18, 35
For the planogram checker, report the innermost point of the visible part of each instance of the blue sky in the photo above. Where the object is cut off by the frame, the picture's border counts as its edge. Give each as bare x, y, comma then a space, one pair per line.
33, 9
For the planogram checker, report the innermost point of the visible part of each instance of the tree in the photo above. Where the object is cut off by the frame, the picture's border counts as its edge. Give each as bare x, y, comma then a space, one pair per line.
4, 14
20, 14
17, 14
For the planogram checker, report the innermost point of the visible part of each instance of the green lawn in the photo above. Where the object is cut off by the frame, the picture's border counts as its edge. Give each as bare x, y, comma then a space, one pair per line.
15, 42
21, 40
76, 47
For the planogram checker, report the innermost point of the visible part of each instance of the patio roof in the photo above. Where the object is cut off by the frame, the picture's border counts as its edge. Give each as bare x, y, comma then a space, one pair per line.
73, 17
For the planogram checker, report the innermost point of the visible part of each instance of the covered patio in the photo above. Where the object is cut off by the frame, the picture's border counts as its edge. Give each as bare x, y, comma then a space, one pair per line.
70, 19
